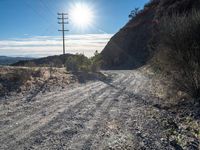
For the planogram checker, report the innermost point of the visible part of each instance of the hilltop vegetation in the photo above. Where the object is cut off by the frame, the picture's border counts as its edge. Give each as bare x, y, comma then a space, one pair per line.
46, 73
82, 67
71, 62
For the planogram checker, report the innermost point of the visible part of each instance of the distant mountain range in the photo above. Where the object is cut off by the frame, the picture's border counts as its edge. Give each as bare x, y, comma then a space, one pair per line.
4, 60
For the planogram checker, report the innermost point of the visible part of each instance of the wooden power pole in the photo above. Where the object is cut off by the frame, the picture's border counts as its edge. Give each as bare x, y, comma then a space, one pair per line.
63, 19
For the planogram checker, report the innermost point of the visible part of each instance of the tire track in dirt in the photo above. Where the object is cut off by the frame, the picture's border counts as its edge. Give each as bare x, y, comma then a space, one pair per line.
87, 136
40, 119
86, 117
45, 98
109, 123
47, 106
94, 109
70, 96
76, 122
53, 117
94, 123
91, 111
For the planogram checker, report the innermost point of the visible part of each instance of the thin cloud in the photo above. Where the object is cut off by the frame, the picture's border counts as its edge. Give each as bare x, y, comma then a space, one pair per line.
40, 46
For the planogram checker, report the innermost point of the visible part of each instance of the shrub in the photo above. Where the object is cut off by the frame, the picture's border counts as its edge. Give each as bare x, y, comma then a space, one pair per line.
179, 50
96, 62
30, 64
71, 64
81, 63
78, 63
95, 67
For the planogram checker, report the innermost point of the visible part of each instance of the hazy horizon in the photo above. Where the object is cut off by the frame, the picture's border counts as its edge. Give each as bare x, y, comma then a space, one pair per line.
42, 46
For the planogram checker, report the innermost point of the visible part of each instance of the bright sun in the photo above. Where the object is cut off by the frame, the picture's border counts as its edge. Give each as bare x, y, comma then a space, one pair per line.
81, 15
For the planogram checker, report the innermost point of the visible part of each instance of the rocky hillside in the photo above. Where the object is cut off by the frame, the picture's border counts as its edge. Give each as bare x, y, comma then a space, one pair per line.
129, 48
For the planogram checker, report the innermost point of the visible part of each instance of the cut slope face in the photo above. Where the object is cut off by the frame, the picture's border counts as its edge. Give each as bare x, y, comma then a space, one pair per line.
128, 48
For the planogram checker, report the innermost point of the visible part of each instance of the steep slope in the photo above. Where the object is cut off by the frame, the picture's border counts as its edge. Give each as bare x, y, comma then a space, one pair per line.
128, 48
169, 7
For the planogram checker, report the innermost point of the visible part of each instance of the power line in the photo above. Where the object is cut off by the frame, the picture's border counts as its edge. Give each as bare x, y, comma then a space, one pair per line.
63, 19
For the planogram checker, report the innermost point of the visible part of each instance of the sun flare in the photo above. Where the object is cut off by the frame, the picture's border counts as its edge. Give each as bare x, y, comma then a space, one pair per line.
81, 15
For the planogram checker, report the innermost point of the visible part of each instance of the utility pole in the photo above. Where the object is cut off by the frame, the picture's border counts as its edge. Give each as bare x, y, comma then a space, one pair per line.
63, 19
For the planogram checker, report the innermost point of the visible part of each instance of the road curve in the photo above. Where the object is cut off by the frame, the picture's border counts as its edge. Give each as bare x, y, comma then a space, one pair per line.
114, 114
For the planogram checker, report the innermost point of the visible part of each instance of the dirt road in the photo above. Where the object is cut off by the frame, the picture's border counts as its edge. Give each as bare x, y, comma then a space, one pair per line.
115, 114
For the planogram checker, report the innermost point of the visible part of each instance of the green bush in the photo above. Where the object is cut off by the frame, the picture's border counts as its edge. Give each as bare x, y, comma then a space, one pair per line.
77, 63
96, 62
179, 50
71, 64
81, 63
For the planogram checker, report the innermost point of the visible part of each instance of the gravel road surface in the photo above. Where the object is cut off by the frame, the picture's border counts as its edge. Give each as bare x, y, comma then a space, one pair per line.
114, 114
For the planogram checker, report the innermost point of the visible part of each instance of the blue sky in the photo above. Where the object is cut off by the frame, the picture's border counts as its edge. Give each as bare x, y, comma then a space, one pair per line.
24, 21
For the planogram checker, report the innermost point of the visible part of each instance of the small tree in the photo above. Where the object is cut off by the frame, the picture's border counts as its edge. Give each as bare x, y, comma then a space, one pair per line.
96, 62
134, 13
71, 64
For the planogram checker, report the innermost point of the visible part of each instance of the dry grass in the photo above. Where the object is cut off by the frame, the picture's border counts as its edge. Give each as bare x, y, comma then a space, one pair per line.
19, 79
177, 55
